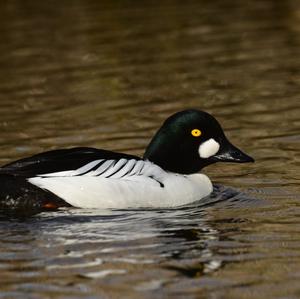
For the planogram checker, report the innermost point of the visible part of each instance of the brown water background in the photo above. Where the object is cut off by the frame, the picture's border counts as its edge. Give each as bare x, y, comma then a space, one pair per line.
106, 74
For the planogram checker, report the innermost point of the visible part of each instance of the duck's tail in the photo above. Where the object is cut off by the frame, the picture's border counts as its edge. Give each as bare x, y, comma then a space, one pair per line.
19, 197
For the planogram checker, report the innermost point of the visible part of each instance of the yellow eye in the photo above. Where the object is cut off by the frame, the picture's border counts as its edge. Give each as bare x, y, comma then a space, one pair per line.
196, 132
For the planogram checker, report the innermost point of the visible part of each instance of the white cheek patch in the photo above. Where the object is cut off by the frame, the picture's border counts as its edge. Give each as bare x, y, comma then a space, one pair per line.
209, 148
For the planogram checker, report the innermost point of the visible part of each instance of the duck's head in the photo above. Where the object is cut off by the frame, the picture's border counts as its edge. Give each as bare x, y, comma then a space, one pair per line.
190, 140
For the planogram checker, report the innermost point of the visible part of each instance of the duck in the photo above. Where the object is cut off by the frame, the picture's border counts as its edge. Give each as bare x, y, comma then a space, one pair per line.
167, 175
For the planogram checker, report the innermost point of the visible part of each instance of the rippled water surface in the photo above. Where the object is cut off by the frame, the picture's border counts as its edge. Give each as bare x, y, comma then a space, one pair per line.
106, 74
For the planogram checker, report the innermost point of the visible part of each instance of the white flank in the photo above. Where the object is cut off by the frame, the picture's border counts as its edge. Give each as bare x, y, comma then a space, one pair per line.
209, 148
125, 184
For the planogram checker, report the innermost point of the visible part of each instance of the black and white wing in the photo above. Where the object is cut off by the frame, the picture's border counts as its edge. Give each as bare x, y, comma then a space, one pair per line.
123, 168
62, 160
88, 177
105, 183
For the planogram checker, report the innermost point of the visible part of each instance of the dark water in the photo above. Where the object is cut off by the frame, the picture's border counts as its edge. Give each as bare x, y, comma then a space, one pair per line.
106, 74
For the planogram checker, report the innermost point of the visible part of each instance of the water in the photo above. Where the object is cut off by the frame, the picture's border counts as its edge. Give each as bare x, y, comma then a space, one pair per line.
106, 74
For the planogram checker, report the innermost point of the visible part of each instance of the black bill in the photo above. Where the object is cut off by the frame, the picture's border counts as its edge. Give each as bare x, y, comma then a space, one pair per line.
230, 153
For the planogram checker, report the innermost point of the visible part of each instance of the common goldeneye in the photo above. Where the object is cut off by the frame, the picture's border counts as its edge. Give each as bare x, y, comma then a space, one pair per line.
83, 177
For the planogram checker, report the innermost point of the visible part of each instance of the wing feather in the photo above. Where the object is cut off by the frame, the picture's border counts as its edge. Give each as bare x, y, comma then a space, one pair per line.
65, 161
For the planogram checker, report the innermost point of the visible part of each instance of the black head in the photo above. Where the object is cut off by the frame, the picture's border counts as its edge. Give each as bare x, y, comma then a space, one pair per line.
190, 140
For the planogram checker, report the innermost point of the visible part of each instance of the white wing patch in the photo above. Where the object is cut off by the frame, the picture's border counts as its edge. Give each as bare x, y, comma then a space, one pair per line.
123, 183
104, 168
79, 171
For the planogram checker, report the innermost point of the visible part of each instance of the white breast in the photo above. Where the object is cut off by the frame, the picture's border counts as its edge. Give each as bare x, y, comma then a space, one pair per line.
123, 184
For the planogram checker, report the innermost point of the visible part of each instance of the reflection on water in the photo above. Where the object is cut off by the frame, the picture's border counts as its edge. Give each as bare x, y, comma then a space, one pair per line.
144, 249
106, 74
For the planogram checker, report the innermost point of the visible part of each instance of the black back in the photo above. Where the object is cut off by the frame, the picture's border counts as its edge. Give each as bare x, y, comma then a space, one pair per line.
59, 160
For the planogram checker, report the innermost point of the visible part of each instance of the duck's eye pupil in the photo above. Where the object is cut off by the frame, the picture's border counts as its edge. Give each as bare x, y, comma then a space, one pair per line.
196, 132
